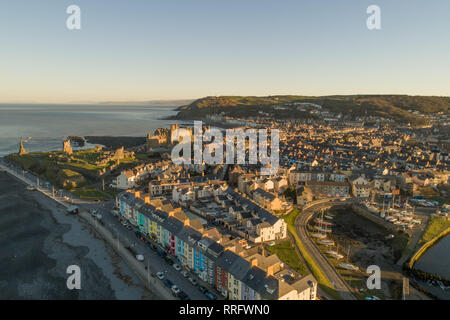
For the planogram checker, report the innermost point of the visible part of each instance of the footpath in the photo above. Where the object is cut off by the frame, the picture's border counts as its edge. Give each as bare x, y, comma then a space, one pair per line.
139, 268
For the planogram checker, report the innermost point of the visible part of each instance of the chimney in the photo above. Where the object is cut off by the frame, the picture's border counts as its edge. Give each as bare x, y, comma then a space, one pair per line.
254, 262
147, 199
187, 222
137, 194
269, 271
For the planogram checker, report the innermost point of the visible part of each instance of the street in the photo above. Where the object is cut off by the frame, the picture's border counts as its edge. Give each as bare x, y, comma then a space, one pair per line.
125, 237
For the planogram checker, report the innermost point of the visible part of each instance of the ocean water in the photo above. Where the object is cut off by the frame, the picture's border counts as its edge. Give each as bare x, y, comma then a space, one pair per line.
47, 125
436, 259
39, 241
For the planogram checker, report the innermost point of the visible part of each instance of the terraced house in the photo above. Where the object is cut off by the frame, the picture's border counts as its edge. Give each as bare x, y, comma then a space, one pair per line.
198, 250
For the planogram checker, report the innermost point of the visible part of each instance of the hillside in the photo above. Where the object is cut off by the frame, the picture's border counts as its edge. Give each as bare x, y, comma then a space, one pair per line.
388, 106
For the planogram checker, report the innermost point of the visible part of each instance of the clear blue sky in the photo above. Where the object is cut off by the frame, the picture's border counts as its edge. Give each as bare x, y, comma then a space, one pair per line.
171, 49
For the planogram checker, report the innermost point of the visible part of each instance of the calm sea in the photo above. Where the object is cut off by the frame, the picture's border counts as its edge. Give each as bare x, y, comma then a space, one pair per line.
47, 125
437, 259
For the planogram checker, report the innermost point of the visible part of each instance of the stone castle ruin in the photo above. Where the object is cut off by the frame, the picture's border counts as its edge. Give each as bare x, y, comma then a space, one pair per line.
22, 150
67, 147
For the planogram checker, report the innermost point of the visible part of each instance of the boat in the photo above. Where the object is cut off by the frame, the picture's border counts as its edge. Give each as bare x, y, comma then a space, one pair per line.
372, 209
337, 256
319, 235
348, 266
326, 242
322, 229
334, 254
329, 217
31, 188
322, 222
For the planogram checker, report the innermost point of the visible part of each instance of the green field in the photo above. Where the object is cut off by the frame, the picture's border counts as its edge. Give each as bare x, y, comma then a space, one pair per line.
286, 252
77, 173
91, 194
435, 226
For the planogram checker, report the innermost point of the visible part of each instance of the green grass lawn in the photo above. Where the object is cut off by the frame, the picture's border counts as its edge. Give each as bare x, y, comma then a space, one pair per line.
91, 194
55, 167
435, 226
69, 173
286, 252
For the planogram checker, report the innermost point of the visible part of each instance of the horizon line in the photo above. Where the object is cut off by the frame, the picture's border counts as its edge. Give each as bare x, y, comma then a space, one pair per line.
143, 102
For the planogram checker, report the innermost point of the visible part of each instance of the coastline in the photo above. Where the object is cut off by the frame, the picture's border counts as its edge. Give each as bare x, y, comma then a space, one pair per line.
51, 242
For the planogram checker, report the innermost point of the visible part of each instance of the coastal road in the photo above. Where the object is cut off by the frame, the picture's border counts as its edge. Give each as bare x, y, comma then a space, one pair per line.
119, 238
326, 267
152, 259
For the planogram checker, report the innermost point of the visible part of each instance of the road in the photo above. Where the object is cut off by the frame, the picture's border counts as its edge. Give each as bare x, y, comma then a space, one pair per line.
152, 259
118, 237
329, 271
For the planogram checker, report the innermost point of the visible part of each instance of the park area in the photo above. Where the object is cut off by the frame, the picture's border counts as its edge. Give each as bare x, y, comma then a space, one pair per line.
84, 173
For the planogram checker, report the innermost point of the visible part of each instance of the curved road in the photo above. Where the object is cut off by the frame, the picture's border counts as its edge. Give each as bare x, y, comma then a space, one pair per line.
326, 267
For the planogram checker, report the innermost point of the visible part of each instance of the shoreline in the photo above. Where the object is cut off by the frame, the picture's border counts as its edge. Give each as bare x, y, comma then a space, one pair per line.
68, 240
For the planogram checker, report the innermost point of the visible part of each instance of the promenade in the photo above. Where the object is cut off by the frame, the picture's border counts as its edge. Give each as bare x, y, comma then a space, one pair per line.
139, 268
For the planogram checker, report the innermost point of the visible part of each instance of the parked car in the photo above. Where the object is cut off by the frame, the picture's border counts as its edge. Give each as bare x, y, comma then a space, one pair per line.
175, 290
140, 257
176, 267
210, 295
161, 253
202, 289
183, 296
193, 281
153, 274
169, 260
185, 273
168, 283
160, 275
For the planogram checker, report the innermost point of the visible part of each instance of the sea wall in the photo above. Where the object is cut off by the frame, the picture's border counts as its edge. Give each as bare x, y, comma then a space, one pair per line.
426, 246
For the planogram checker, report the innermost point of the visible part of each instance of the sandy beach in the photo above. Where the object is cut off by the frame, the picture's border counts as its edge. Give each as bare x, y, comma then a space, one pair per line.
39, 241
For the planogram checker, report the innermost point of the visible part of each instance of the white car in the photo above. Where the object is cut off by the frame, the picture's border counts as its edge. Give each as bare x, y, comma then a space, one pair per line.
140, 257
193, 281
160, 275
176, 267
175, 289
185, 273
